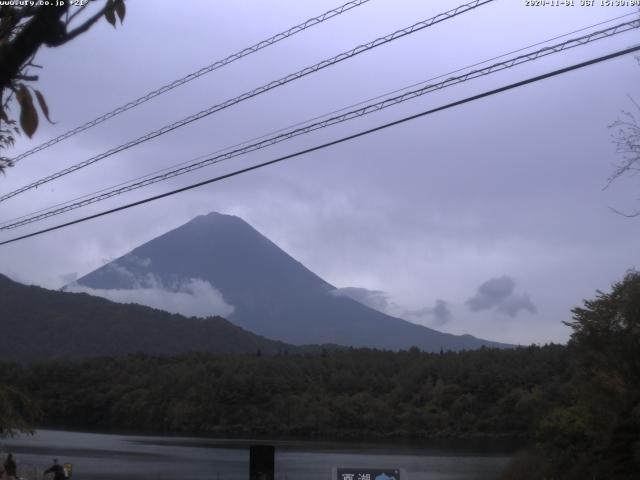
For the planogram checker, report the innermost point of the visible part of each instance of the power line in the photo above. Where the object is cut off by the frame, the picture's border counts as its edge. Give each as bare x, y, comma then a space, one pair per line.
371, 108
193, 75
334, 142
332, 121
257, 91
297, 124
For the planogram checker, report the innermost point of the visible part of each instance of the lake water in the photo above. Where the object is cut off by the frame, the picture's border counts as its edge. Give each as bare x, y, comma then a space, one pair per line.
108, 456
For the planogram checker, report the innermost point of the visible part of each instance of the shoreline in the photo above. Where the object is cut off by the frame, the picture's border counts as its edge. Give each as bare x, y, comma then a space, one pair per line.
476, 446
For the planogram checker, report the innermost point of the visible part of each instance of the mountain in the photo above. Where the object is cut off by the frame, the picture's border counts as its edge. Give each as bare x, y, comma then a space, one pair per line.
39, 324
271, 293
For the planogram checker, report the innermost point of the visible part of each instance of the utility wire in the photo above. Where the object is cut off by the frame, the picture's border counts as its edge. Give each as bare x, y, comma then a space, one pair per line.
368, 109
297, 124
473, 98
324, 115
257, 91
193, 75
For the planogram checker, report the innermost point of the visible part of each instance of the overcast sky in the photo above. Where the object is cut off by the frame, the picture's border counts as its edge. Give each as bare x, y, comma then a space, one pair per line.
489, 218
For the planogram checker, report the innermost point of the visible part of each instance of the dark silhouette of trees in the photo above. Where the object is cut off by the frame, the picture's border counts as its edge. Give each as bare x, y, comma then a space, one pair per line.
338, 393
18, 412
594, 430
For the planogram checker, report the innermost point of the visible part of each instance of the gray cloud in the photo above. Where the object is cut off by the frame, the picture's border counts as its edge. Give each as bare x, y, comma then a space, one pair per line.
514, 303
193, 297
437, 315
497, 293
440, 313
491, 293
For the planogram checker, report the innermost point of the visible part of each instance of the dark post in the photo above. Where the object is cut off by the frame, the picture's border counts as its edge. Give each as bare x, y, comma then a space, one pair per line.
261, 462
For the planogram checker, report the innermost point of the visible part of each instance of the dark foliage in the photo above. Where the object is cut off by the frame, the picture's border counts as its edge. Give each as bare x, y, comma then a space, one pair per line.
39, 324
340, 393
595, 433
18, 412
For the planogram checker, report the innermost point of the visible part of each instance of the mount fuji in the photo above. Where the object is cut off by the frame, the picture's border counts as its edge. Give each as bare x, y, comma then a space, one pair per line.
220, 265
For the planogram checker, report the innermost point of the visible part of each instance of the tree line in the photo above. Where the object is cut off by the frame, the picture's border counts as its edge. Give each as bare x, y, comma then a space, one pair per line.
352, 393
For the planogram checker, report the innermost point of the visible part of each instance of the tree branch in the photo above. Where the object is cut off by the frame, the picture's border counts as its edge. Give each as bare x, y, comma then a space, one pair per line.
86, 25
627, 215
75, 14
41, 28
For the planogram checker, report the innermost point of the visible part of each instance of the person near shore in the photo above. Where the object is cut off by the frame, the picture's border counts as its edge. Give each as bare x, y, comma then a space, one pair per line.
57, 470
10, 467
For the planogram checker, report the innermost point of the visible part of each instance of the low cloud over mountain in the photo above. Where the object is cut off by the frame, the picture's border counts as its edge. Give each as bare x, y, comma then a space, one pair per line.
192, 297
376, 299
437, 315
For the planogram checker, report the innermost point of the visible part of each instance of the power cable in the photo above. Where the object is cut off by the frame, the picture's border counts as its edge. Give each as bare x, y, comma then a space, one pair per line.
334, 142
257, 91
193, 75
297, 124
368, 109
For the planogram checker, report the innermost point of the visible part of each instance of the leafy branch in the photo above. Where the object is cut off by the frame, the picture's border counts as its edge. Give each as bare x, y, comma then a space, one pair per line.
23, 31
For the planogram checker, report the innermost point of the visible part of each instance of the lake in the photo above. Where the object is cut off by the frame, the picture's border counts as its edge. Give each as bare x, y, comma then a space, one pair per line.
97, 456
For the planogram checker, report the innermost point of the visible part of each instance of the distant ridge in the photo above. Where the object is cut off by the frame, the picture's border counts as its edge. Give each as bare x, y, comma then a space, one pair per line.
272, 294
39, 324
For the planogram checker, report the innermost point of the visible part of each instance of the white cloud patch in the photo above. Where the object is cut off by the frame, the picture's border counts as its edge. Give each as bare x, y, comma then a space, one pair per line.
124, 273
16, 277
134, 260
497, 293
376, 299
193, 297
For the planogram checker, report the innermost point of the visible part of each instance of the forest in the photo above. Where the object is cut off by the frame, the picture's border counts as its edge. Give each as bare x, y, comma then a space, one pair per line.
576, 406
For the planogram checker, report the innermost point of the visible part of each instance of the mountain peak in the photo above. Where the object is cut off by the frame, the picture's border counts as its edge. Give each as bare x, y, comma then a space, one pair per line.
271, 293
214, 216
220, 249
218, 219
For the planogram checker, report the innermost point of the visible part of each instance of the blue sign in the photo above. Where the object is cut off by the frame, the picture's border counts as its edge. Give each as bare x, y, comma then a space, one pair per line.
368, 474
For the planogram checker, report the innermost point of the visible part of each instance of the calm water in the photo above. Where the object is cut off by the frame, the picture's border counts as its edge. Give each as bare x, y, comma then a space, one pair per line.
106, 456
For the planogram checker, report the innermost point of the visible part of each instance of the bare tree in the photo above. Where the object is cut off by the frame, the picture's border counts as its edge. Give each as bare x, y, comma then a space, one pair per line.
626, 138
23, 31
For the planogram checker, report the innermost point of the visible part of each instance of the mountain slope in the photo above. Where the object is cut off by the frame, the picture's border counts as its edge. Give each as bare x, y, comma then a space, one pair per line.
39, 324
272, 294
